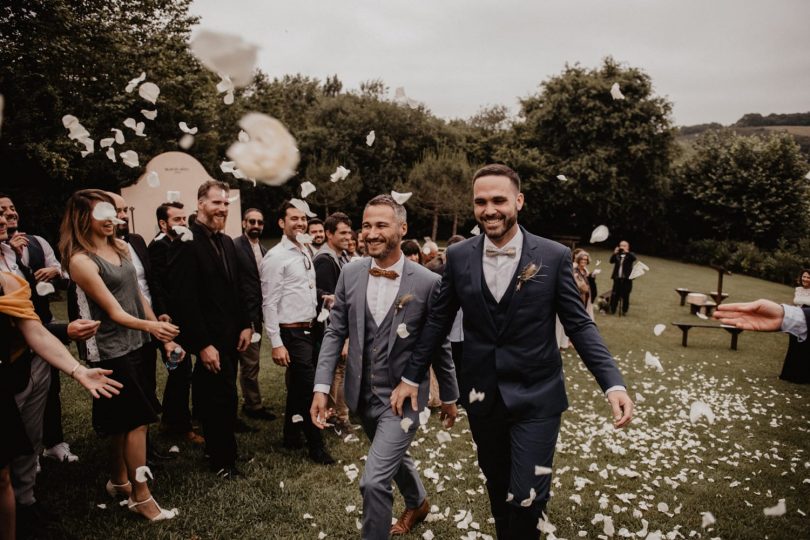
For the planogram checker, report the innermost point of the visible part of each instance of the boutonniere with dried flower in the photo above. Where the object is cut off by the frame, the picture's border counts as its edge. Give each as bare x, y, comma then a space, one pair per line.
402, 301
526, 274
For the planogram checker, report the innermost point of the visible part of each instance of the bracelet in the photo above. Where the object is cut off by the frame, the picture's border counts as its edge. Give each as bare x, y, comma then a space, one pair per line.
73, 371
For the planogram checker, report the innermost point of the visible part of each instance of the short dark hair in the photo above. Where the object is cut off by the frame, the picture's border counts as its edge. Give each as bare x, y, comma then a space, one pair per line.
162, 212
388, 200
334, 219
411, 247
281, 212
497, 169
249, 210
455, 239
203, 190
314, 221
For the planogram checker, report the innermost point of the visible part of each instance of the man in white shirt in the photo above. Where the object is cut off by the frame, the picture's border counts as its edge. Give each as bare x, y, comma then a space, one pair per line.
289, 299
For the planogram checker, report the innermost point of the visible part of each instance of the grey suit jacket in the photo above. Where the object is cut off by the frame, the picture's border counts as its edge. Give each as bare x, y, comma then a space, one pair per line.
347, 319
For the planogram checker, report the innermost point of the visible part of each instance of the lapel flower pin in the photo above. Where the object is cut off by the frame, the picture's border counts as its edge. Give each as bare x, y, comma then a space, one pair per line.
402, 301
527, 274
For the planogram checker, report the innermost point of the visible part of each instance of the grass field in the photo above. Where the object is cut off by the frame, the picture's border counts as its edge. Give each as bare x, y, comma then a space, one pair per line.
661, 474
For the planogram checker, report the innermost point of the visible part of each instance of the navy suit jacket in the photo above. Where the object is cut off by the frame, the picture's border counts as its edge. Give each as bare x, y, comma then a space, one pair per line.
249, 279
521, 359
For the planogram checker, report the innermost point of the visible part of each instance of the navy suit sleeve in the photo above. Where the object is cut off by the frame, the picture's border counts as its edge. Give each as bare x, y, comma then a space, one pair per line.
443, 309
580, 328
157, 284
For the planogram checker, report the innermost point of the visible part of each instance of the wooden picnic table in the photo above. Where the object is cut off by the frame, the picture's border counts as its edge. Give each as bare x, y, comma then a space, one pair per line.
686, 326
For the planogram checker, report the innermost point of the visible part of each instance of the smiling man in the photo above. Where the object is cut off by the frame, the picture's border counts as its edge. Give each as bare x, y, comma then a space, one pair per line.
510, 376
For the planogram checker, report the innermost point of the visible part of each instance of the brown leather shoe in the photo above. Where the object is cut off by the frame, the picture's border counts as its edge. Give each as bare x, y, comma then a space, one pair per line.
195, 438
410, 518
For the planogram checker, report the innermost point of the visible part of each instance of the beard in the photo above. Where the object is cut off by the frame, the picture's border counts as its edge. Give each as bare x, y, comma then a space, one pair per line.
254, 233
11, 230
390, 244
505, 226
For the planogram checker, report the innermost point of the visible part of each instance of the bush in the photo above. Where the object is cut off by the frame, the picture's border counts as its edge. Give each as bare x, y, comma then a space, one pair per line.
782, 264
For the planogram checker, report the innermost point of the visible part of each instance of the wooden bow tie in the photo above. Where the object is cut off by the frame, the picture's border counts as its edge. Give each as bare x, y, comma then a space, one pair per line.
379, 272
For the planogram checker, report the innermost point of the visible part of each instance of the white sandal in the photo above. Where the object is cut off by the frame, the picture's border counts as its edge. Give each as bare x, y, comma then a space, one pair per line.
116, 490
162, 515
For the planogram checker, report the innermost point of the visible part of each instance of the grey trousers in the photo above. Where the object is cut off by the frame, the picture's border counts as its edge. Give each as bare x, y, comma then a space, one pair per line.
31, 403
387, 460
249, 376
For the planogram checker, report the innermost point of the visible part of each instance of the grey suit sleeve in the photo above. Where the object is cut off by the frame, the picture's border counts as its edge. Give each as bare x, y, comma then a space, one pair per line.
581, 329
334, 337
442, 362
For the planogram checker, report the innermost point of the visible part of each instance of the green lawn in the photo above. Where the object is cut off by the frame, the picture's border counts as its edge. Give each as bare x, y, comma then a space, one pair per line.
663, 471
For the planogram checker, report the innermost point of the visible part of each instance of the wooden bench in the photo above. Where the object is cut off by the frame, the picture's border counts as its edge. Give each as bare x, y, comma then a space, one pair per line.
685, 327
683, 293
707, 308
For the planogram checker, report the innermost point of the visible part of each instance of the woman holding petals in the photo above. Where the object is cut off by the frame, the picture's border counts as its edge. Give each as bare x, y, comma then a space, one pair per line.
107, 291
796, 369
581, 275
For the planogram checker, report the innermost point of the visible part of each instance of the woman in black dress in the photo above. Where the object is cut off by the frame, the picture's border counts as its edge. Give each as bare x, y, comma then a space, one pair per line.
796, 368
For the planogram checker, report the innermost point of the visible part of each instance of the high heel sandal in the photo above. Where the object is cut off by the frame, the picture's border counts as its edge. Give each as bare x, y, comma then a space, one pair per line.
162, 515
122, 490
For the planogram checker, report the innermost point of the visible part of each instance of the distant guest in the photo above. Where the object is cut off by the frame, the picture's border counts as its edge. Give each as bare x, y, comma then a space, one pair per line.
412, 251
316, 231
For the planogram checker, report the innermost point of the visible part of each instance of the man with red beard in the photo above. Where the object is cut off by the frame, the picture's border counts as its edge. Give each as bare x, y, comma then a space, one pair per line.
207, 304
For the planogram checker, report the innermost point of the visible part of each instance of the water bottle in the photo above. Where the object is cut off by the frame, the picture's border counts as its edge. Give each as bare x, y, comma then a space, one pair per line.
174, 358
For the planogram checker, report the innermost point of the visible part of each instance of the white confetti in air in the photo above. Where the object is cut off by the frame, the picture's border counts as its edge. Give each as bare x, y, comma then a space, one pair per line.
152, 179
104, 143
102, 506
270, 156
119, 135
476, 396
149, 115
539, 470
255, 337
443, 437
340, 173
89, 146
303, 238
350, 508
562, 178
405, 424
186, 141
699, 410
303, 206
111, 154
652, 361
45, 288
135, 82
475, 230
281, 485
297, 419
708, 519
174, 449
807, 175
104, 211
185, 129
307, 188
172, 196
424, 416
130, 158
402, 331
184, 233
308, 516
659, 329
228, 99
143, 473
527, 502
225, 85
243, 136
778, 510
370, 138
426, 250
639, 269
401, 198
149, 91
323, 315
615, 92
599, 234
226, 54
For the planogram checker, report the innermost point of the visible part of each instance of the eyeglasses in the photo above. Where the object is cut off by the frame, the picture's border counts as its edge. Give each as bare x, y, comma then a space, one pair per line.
256, 221
307, 262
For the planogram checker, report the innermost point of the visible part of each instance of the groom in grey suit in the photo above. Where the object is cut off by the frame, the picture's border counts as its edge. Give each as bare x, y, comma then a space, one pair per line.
381, 305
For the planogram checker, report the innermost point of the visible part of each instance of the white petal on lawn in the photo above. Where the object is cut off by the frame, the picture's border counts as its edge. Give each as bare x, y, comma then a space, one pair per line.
652, 361
659, 329
119, 135
778, 510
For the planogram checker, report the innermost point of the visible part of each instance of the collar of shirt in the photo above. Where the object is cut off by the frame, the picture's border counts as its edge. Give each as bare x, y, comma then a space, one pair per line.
326, 248
9, 263
516, 242
498, 271
397, 267
381, 291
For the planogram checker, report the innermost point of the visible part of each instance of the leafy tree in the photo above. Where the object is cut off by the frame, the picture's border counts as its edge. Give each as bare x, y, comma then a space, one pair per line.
332, 196
743, 188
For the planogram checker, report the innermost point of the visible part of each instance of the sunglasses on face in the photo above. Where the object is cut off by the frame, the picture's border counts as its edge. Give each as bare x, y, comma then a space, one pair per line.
256, 221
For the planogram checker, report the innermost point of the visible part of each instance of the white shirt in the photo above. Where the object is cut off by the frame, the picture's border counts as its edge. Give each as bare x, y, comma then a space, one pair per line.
794, 322
381, 292
257, 251
141, 273
288, 288
9, 262
498, 271
10, 258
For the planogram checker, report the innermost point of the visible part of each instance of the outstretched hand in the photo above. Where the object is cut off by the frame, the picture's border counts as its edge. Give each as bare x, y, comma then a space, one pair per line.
97, 383
760, 316
622, 407
401, 394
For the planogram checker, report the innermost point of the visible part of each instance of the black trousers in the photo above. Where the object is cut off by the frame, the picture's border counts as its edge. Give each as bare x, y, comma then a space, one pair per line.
509, 447
301, 380
621, 291
52, 433
216, 401
176, 412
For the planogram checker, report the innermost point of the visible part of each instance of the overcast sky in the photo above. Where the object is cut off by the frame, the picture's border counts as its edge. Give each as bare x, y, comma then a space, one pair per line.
715, 60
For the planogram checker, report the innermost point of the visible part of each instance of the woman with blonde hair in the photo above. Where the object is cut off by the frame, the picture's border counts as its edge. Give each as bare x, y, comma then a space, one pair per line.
107, 291
581, 275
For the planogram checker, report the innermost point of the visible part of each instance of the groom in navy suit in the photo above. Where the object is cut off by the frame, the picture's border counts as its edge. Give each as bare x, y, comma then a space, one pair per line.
510, 377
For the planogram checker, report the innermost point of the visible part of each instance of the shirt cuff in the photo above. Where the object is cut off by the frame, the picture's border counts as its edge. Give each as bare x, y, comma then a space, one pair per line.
449, 402
794, 322
323, 388
409, 382
615, 388
275, 340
